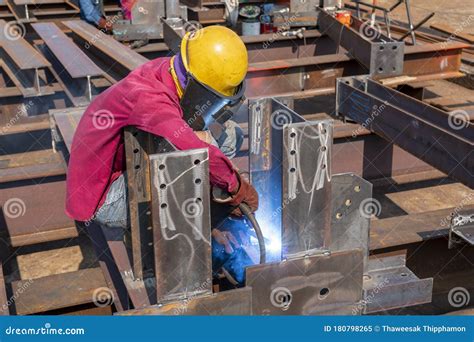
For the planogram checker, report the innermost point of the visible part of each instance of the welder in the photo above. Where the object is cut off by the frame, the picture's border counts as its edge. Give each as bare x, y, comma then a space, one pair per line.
187, 99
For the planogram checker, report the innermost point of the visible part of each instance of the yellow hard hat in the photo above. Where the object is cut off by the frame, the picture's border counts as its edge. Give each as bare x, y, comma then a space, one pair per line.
216, 57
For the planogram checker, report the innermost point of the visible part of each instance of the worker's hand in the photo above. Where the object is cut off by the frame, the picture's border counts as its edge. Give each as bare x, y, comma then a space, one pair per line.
225, 239
245, 193
105, 25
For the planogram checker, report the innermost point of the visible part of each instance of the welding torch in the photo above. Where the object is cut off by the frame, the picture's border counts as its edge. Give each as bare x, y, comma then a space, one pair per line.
221, 196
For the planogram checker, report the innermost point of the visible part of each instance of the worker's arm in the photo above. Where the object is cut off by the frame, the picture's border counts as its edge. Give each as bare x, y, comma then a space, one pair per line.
164, 119
90, 12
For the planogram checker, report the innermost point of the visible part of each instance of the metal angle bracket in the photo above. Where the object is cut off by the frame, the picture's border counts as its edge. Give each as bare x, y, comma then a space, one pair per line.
226, 303
320, 284
306, 173
389, 284
461, 230
181, 223
351, 208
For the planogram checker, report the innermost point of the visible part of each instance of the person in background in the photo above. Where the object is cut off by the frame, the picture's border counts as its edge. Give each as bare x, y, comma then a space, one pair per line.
92, 11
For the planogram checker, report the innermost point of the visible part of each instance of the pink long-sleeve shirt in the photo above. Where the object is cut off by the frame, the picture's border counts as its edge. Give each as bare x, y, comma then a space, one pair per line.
147, 99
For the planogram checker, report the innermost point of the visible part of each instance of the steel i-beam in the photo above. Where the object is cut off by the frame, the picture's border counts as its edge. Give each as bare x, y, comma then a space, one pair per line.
441, 139
381, 55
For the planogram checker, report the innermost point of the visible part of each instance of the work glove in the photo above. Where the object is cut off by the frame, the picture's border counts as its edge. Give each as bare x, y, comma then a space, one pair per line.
105, 25
226, 239
245, 193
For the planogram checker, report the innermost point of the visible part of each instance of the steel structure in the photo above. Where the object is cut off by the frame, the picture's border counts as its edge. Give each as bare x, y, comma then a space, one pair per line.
318, 269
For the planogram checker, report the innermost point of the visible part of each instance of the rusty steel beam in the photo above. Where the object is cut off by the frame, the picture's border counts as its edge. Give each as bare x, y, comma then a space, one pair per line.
434, 136
317, 74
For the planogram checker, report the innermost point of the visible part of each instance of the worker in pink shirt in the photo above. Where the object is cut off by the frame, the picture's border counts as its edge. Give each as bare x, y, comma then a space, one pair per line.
182, 99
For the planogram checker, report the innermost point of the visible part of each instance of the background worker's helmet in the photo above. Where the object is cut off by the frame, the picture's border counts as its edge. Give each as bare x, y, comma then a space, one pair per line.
216, 57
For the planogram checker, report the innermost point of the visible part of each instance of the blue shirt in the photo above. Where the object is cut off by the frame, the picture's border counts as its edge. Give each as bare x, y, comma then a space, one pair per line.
90, 11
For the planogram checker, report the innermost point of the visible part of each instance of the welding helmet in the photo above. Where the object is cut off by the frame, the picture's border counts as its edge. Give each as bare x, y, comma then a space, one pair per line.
216, 62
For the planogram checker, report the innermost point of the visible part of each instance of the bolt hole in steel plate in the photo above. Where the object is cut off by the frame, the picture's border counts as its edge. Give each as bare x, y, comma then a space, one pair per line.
349, 228
317, 284
181, 223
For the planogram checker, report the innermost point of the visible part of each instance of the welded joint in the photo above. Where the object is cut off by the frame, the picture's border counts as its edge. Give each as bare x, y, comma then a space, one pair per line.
257, 115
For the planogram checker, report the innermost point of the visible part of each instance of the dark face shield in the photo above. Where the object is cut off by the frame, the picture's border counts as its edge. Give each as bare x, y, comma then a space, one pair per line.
203, 106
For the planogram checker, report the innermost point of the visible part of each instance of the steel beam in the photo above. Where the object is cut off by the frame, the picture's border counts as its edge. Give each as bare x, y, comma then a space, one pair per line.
382, 56
435, 136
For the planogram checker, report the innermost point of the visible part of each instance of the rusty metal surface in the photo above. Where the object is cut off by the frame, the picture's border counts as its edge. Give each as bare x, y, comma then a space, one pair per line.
66, 121
22, 53
411, 229
232, 302
423, 130
57, 291
106, 44
32, 213
181, 223
31, 165
75, 61
318, 284
3, 295
137, 145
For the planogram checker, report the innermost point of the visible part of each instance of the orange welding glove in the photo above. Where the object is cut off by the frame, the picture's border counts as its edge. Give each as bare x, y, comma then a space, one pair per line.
245, 193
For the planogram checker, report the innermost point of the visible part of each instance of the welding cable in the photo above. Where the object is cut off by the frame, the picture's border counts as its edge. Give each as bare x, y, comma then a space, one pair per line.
245, 209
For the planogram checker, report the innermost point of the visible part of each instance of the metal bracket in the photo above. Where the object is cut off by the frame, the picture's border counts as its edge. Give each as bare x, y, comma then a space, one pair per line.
461, 230
389, 284
381, 55
351, 202
181, 223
